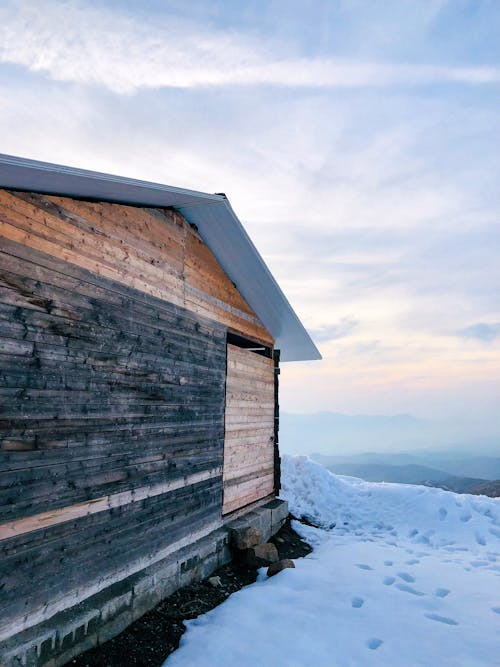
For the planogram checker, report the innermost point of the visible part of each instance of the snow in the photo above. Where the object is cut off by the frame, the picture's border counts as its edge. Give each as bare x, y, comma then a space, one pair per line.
400, 576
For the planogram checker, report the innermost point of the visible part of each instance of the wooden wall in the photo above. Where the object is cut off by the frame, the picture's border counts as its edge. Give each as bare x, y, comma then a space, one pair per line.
111, 430
113, 323
249, 424
152, 250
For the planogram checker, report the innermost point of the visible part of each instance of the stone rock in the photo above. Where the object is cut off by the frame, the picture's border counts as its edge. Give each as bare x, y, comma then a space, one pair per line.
260, 555
215, 582
245, 538
274, 568
266, 552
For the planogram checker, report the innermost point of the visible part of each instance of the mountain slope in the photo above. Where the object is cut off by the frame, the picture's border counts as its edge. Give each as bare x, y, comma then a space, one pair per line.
489, 488
451, 462
377, 472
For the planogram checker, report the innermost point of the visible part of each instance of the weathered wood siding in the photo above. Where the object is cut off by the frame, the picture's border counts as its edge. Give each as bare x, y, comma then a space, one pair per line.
152, 250
249, 428
113, 323
111, 431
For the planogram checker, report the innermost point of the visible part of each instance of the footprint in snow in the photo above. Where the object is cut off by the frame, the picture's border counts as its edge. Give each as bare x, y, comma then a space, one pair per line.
388, 581
466, 516
480, 540
496, 610
363, 566
406, 577
408, 589
441, 619
413, 561
357, 602
388, 563
441, 592
374, 643
442, 513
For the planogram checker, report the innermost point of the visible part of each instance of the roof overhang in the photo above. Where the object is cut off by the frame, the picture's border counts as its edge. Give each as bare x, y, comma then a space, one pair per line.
217, 224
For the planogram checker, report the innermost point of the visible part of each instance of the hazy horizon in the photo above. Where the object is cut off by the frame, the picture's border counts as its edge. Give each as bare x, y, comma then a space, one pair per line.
343, 434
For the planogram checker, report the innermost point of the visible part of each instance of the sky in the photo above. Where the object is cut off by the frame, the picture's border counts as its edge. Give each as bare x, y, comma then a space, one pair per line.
357, 141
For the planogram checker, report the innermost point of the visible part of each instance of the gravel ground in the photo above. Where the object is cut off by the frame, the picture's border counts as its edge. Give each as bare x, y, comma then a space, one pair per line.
148, 641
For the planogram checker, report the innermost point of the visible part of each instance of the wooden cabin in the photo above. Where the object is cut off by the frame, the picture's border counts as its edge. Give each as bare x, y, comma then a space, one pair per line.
140, 338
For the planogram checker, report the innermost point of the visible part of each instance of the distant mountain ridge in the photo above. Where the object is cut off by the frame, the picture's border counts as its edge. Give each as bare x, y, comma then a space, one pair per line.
404, 449
433, 465
491, 489
413, 474
373, 472
477, 487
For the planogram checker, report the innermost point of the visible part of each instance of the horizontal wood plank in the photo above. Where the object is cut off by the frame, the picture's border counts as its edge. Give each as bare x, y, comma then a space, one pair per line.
111, 429
249, 428
153, 251
78, 510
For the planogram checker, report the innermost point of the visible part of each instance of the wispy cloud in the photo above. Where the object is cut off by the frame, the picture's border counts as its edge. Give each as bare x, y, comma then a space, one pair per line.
81, 43
341, 329
481, 331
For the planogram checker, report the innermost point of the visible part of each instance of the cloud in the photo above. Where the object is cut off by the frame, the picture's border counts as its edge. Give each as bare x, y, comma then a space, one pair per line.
481, 331
341, 329
126, 52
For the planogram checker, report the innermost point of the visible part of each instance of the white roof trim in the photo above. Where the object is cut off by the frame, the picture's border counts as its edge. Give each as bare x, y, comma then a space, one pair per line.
217, 224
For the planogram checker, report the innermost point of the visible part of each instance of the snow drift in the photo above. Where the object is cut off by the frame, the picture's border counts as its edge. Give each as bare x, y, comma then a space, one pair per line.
423, 515
401, 576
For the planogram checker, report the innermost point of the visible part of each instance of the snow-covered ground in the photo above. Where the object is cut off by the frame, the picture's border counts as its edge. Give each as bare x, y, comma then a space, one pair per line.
400, 576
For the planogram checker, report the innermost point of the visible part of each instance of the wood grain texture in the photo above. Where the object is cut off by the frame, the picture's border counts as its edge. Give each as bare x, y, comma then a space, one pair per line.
248, 472
113, 323
152, 250
72, 512
48, 570
111, 430
90, 374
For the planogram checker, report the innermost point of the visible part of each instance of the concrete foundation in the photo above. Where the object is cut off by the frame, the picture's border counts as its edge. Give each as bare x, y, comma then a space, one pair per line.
104, 615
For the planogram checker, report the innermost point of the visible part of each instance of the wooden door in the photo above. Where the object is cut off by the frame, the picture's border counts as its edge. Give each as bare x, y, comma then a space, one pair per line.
248, 473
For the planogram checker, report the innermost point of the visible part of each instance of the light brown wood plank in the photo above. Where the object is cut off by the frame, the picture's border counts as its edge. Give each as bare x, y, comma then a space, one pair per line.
78, 510
249, 428
151, 250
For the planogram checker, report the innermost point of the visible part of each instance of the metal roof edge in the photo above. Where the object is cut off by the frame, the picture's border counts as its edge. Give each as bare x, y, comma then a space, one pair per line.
229, 240
27, 164
316, 355
215, 219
